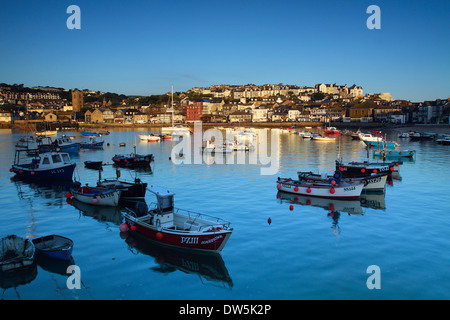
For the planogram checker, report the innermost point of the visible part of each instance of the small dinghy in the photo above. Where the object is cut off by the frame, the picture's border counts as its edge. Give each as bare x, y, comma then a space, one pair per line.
16, 253
96, 165
54, 246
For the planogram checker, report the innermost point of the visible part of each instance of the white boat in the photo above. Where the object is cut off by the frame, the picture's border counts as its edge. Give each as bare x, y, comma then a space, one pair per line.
404, 135
150, 137
16, 253
322, 138
98, 196
46, 133
226, 147
345, 190
370, 137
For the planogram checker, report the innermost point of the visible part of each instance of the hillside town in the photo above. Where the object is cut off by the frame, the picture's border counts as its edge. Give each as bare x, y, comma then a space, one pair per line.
276, 103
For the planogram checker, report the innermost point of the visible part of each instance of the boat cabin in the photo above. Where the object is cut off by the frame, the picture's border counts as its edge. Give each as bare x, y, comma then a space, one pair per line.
164, 206
45, 160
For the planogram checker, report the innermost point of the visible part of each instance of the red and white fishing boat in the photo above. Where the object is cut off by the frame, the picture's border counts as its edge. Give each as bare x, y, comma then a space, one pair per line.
176, 227
331, 130
325, 189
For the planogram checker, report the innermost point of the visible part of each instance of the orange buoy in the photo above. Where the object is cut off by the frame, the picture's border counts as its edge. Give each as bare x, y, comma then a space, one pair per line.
332, 190
159, 235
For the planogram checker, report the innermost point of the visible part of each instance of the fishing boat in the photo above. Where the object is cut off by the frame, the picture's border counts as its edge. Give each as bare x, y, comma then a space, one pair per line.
331, 130
422, 136
131, 190
394, 153
177, 227
365, 168
49, 165
404, 135
133, 160
92, 143
212, 147
66, 144
370, 137
153, 138
16, 253
381, 144
54, 246
96, 165
344, 190
91, 134
322, 138
98, 196
150, 137
373, 183
307, 135
444, 140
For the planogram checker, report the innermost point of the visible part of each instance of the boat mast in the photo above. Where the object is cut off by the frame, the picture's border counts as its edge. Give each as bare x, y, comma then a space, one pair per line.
172, 105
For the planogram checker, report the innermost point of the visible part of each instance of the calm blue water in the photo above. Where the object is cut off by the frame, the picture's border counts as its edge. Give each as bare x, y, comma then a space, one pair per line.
306, 253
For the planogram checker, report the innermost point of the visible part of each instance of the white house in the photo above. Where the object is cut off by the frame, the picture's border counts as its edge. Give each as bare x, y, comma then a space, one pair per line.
294, 114
259, 115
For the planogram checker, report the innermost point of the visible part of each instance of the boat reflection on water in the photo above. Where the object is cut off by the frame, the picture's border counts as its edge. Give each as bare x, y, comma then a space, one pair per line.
349, 206
17, 278
373, 201
100, 213
366, 200
209, 267
45, 189
56, 266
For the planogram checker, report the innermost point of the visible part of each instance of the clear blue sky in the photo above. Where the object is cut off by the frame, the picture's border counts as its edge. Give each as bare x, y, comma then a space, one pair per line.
144, 47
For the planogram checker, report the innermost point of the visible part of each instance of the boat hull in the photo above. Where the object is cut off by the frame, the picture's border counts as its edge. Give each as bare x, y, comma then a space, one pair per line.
352, 191
208, 242
63, 172
395, 154
106, 198
380, 144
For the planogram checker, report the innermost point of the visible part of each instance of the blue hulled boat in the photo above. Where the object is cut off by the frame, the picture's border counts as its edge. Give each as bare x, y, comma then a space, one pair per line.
91, 143
381, 144
54, 246
49, 165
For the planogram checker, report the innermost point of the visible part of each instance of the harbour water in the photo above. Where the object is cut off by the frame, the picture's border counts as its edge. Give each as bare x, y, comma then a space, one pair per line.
310, 252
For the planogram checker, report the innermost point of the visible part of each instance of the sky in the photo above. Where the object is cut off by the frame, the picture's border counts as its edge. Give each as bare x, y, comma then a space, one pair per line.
145, 47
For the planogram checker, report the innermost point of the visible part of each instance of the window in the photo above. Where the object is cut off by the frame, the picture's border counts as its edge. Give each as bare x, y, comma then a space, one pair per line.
56, 158
46, 161
65, 157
